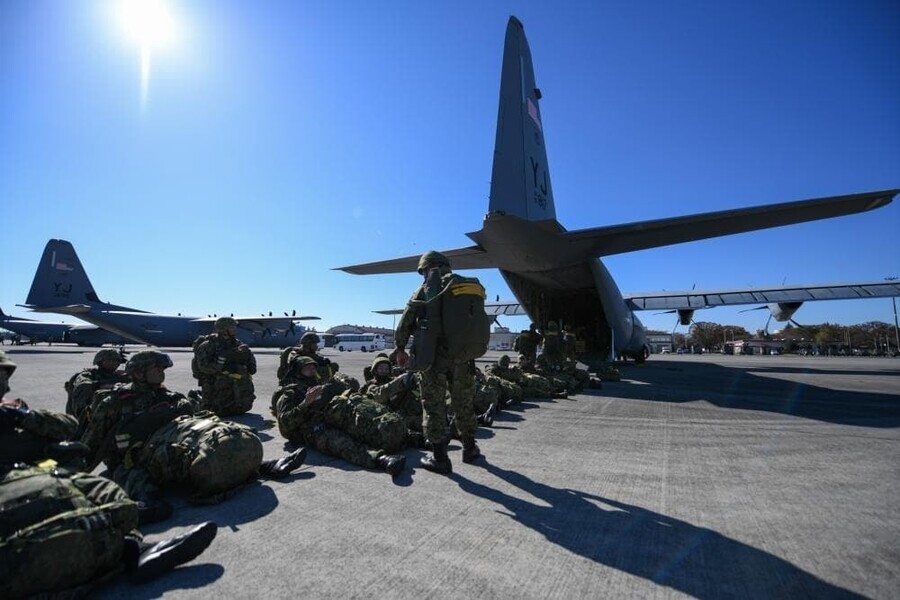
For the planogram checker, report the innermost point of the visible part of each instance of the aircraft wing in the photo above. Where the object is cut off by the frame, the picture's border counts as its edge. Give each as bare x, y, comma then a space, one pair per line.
262, 323
473, 257
604, 241
493, 309
695, 299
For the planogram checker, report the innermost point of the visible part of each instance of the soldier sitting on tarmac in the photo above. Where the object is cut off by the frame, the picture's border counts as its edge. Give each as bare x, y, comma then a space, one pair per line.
329, 417
102, 376
224, 367
309, 346
64, 530
149, 437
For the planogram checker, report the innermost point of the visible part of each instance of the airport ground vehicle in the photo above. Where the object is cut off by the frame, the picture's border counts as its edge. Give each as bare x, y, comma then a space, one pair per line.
365, 342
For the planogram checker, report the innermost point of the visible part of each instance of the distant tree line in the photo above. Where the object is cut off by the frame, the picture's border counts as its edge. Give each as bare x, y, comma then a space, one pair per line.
873, 337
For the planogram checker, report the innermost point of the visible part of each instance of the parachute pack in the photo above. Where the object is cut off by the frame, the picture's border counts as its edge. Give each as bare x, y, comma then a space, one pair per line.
207, 455
200, 339
457, 315
53, 537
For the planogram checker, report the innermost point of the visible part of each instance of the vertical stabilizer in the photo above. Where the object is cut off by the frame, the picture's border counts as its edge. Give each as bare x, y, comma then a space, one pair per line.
60, 279
520, 180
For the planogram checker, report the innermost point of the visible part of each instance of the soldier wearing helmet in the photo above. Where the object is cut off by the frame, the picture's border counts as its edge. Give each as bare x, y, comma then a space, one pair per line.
334, 420
526, 345
31, 435
34, 445
133, 419
399, 391
438, 371
224, 366
82, 386
309, 347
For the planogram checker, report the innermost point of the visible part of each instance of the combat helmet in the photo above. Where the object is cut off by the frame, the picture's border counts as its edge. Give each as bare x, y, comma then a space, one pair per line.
433, 257
6, 363
310, 337
552, 326
504, 361
298, 362
381, 358
226, 324
139, 361
108, 354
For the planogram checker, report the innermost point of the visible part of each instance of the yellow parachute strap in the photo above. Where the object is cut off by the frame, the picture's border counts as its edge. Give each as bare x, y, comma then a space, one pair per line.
47, 465
468, 289
232, 375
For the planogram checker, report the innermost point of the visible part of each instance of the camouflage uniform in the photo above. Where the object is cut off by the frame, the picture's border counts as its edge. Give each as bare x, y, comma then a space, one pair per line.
526, 345
309, 345
224, 366
63, 530
122, 422
82, 386
399, 394
443, 371
527, 384
337, 422
506, 379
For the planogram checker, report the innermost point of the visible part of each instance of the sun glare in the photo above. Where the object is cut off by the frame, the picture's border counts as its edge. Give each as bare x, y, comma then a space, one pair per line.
148, 24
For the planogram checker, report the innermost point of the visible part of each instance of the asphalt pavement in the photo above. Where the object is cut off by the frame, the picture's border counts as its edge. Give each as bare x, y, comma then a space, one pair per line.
706, 476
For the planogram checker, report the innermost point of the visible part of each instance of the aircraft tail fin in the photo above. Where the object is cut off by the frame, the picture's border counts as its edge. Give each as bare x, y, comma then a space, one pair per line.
60, 280
520, 179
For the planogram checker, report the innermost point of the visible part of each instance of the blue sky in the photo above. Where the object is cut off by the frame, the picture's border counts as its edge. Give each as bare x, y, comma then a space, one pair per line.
277, 140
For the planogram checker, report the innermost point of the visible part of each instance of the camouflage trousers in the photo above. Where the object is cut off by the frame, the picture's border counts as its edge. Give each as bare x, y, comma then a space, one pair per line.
433, 386
373, 424
228, 395
536, 386
486, 395
334, 442
507, 390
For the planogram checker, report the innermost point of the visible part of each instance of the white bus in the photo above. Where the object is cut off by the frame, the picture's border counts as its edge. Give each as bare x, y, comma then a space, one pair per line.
366, 342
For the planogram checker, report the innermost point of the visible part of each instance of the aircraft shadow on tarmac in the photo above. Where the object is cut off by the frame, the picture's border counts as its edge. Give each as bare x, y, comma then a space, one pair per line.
733, 387
673, 553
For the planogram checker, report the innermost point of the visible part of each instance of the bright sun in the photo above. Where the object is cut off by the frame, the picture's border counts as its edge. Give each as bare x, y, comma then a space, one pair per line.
148, 24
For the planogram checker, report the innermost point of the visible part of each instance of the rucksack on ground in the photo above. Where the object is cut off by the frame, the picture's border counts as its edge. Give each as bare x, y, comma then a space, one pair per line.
53, 537
203, 453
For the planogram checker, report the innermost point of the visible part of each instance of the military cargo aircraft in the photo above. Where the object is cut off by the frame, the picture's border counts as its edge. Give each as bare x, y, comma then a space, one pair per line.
44, 331
557, 274
61, 285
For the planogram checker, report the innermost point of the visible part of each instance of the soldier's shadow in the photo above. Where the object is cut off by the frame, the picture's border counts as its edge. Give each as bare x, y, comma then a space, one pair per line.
694, 560
189, 577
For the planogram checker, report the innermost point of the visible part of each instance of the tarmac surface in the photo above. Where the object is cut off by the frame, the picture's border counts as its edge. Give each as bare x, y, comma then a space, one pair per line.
706, 476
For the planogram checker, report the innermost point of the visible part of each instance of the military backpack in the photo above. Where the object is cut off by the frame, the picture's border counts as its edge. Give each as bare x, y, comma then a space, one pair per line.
57, 532
205, 454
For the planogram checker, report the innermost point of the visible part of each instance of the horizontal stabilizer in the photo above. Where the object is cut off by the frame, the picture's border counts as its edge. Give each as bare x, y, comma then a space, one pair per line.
473, 257
605, 241
763, 295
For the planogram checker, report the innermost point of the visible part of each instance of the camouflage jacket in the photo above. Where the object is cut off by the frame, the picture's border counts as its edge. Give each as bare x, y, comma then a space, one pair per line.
82, 385
513, 374
217, 355
30, 440
527, 343
390, 390
126, 416
300, 408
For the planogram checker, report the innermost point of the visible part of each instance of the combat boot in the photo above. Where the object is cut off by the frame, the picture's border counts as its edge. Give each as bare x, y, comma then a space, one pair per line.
416, 439
438, 461
486, 419
471, 451
164, 556
393, 464
284, 466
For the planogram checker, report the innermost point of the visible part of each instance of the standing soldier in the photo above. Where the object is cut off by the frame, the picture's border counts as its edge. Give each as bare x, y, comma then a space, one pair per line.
224, 366
446, 318
526, 345
103, 376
